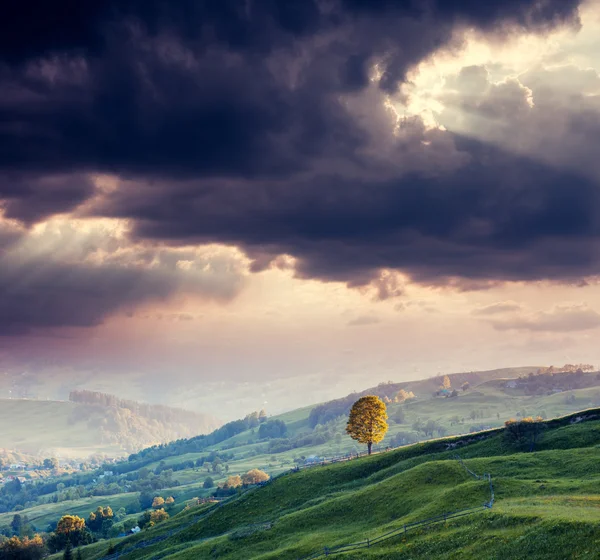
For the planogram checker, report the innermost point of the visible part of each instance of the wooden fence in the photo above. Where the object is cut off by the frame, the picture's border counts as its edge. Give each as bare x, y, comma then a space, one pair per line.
443, 517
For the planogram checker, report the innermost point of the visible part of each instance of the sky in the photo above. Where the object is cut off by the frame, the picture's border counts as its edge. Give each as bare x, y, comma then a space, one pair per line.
242, 204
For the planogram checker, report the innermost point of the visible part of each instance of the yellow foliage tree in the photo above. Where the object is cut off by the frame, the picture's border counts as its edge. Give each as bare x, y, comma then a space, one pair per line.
169, 501
32, 549
158, 502
255, 476
69, 524
403, 395
158, 516
367, 421
233, 481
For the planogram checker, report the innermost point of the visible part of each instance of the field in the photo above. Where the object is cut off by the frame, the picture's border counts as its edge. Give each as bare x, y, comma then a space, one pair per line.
547, 505
315, 508
486, 405
43, 515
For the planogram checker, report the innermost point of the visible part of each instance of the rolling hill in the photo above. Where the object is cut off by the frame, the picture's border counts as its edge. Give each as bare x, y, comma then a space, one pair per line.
181, 468
77, 430
547, 505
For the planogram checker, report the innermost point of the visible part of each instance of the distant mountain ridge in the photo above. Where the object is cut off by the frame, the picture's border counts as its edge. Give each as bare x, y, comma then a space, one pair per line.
161, 413
93, 423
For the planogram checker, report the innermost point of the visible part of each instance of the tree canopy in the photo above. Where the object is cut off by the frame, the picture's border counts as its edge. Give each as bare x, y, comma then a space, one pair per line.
254, 476
367, 421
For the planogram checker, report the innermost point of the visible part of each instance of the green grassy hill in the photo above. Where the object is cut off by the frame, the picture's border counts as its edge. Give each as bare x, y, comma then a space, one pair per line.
180, 469
547, 505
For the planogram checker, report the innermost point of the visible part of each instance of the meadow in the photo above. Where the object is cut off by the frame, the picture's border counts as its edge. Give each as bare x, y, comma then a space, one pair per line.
547, 504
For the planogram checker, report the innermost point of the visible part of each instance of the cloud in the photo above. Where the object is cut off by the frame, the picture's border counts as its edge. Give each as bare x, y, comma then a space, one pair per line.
498, 218
563, 318
59, 276
211, 89
31, 198
548, 114
364, 320
498, 308
270, 126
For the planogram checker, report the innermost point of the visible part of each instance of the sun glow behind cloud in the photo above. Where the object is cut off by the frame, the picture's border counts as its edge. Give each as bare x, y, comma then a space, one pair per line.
504, 57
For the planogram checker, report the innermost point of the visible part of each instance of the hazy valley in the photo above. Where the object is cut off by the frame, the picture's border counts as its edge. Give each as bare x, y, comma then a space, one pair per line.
281, 519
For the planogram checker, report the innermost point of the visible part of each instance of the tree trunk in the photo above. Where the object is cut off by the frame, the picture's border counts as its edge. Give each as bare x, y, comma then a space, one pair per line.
369, 446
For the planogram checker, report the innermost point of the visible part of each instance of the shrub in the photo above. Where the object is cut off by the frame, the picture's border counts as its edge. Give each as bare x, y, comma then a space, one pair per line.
255, 476
524, 433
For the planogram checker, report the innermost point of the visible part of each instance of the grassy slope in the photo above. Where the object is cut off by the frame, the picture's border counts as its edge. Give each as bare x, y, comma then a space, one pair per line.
41, 516
489, 397
547, 505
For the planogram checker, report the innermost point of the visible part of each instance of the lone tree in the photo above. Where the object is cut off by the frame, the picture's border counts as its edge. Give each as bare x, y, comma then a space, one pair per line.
367, 421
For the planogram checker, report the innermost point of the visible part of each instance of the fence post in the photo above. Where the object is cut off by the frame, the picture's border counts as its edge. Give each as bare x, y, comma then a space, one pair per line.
368, 543
326, 550
405, 528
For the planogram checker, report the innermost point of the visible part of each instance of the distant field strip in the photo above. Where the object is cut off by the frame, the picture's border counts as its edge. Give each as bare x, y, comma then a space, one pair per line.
443, 517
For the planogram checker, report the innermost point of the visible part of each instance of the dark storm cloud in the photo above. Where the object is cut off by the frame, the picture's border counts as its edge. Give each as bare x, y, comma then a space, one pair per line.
500, 217
234, 87
227, 120
31, 198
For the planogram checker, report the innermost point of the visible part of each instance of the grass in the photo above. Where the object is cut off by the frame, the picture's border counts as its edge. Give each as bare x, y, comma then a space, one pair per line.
43, 515
547, 505
326, 505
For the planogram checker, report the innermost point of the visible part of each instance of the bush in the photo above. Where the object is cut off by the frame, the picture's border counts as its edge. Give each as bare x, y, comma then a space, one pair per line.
272, 429
23, 549
523, 434
158, 516
255, 476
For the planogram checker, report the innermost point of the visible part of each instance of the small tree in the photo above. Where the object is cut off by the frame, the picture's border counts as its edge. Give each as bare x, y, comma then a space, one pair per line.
367, 421
446, 384
523, 433
170, 501
255, 476
158, 516
402, 396
70, 529
233, 481
50, 464
158, 502
208, 482
17, 525
101, 520
25, 548
68, 554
